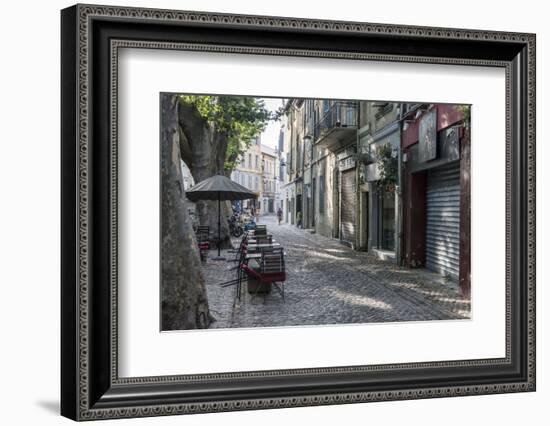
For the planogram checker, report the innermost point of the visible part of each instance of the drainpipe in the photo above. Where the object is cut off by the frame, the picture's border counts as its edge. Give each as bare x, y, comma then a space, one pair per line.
358, 204
399, 193
311, 184
304, 193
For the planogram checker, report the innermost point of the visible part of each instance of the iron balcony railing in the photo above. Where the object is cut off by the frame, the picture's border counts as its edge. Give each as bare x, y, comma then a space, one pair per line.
340, 114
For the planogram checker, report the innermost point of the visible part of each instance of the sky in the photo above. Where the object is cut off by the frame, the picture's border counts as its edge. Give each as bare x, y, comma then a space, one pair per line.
270, 135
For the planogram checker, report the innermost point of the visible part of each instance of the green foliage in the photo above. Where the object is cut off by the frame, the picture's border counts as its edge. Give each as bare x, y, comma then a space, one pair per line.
387, 165
240, 118
466, 111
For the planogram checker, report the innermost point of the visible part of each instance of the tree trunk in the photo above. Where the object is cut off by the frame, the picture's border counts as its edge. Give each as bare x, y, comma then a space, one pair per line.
207, 158
184, 299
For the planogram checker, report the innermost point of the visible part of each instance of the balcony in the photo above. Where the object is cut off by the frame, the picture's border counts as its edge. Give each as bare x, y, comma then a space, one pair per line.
366, 158
337, 126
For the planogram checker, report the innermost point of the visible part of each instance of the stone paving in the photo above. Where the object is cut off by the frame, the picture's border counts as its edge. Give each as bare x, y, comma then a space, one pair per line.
329, 283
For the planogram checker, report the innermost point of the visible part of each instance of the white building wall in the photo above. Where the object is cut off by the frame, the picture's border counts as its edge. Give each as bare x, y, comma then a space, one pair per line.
188, 180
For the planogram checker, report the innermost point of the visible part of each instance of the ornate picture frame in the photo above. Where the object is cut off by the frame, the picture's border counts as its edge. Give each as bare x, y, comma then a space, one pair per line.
90, 385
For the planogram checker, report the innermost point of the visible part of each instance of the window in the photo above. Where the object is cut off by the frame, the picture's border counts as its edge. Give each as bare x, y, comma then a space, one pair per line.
289, 166
307, 151
383, 109
249, 161
298, 154
249, 182
257, 163
321, 194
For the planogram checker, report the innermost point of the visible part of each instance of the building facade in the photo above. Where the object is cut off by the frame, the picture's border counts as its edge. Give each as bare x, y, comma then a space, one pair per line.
320, 139
187, 177
436, 157
389, 178
379, 148
269, 188
282, 177
248, 172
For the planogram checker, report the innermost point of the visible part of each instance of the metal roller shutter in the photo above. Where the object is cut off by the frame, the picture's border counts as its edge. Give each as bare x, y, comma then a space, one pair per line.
443, 220
348, 206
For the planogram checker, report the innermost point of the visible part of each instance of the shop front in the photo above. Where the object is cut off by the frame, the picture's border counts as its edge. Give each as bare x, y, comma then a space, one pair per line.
383, 204
443, 219
437, 217
290, 190
348, 195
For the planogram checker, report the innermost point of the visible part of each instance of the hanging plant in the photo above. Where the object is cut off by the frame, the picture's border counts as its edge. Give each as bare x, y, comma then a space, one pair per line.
387, 167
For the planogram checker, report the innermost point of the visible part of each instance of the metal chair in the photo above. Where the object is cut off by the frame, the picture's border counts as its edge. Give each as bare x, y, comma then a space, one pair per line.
240, 257
272, 270
264, 239
239, 250
203, 230
203, 241
260, 230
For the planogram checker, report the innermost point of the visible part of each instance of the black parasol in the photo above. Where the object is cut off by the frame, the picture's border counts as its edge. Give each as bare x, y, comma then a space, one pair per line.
219, 188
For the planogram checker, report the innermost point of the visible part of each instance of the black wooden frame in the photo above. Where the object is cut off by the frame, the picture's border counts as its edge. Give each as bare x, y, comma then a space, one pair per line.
90, 387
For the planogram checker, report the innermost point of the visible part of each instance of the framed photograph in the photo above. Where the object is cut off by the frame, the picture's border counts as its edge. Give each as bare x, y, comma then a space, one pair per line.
263, 212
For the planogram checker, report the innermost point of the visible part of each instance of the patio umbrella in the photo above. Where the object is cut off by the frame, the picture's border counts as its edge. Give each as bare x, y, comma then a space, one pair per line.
219, 188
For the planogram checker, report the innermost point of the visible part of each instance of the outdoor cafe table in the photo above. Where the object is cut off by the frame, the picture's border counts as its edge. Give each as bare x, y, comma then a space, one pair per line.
255, 241
259, 247
253, 232
252, 236
254, 256
250, 256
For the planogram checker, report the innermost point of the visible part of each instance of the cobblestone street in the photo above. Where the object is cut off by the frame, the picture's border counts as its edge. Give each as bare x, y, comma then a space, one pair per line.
329, 283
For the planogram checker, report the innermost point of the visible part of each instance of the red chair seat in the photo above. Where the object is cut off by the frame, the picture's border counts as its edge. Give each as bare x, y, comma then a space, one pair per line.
270, 278
251, 272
